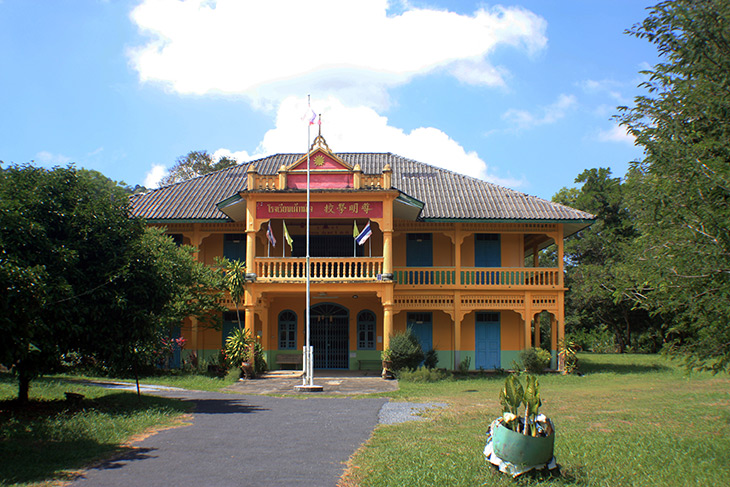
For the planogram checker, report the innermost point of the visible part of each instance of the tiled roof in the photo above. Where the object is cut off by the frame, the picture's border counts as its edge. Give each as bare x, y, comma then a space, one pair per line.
446, 194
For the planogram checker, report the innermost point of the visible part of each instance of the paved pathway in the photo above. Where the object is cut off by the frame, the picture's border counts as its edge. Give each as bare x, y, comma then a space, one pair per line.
247, 440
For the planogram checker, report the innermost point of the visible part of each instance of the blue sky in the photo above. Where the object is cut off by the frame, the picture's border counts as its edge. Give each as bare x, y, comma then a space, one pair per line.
520, 93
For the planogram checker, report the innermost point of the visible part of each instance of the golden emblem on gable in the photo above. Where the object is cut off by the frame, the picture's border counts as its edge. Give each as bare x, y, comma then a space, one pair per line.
319, 161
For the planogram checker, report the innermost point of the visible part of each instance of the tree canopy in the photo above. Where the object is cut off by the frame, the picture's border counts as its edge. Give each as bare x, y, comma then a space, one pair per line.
77, 274
679, 194
194, 164
596, 262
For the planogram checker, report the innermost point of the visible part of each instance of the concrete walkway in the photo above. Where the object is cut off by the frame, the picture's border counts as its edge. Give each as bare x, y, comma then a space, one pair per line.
254, 440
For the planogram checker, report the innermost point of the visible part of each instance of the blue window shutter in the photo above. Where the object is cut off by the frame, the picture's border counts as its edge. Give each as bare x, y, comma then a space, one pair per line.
234, 246
487, 250
419, 250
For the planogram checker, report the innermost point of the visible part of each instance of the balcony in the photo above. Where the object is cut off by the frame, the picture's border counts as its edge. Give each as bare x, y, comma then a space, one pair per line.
478, 277
322, 269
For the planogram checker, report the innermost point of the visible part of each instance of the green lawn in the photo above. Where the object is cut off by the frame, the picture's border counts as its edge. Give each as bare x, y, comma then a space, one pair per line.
51, 438
633, 420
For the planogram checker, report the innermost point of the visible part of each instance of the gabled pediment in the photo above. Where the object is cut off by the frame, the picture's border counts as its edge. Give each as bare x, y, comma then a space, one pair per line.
320, 159
326, 170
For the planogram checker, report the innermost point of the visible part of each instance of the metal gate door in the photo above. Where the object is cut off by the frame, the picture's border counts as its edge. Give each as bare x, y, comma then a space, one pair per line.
330, 336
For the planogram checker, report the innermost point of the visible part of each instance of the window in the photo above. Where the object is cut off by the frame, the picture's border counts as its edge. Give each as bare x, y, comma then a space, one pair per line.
234, 246
366, 330
487, 250
287, 330
230, 323
177, 238
419, 250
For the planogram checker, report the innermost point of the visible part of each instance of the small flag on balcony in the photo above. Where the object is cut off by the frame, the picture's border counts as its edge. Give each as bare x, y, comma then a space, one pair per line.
270, 235
287, 237
364, 235
355, 231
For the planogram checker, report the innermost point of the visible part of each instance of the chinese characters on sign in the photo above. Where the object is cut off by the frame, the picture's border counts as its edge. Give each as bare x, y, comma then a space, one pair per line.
320, 209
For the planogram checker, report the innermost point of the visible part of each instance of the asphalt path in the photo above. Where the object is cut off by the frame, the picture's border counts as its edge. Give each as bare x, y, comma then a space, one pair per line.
246, 440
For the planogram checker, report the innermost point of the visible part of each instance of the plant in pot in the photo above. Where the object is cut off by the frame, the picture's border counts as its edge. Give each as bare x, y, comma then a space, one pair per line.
387, 358
521, 442
238, 351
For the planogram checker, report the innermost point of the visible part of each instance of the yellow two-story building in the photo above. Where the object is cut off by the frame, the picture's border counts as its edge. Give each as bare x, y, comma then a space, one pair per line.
445, 256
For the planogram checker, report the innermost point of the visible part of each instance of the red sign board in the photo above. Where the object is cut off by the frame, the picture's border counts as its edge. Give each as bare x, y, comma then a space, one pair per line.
320, 209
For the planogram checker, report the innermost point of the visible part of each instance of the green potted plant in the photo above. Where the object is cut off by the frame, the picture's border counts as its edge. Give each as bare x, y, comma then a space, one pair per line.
387, 358
518, 442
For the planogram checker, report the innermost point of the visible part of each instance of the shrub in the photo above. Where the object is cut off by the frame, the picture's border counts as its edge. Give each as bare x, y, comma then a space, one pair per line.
465, 365
534, 360
259, 360
431, 359
405, 351
423, 374
237, 347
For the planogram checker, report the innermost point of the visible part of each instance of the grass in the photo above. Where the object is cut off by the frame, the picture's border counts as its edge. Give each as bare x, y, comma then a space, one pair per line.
171, 378
51, 438
631, 420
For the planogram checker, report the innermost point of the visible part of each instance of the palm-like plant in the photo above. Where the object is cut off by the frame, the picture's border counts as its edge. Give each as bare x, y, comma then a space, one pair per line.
513, 395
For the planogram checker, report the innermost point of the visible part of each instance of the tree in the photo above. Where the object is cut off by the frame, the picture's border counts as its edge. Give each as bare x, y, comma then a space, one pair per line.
77, 274
161, 285
194, 164
595, 261
64, 242
680, 191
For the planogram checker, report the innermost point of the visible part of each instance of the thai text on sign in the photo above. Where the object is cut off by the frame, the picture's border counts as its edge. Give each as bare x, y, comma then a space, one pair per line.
320, 209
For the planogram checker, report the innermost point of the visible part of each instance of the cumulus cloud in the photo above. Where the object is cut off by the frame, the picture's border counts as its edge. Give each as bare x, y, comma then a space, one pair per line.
362, 129
523, 119
618, 134
353, 49
153, 176
45, 157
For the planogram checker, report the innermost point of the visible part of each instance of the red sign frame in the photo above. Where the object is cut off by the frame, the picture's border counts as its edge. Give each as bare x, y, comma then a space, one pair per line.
319, 209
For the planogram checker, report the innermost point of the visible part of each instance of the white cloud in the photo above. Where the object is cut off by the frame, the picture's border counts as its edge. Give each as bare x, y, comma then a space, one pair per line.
362, 129
45, 157
240, 156
152, 178
353, 49
616, 133
522, 119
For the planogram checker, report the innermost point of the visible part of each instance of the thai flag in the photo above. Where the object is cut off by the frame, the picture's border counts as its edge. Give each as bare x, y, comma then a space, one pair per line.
364, 235
270, 235
310, 116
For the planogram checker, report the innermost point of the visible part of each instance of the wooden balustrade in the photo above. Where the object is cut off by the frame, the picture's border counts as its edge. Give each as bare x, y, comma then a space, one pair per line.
322, 269
476, 277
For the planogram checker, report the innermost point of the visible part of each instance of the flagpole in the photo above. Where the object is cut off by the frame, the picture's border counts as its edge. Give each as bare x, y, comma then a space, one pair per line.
308, 380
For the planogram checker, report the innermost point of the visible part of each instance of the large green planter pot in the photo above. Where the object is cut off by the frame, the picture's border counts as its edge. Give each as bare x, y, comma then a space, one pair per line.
519, 449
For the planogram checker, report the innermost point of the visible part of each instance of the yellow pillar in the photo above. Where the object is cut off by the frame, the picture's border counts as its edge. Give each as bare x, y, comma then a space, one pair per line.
458, 318
387, 324
528, 320
553, 339
250, 250
388, 252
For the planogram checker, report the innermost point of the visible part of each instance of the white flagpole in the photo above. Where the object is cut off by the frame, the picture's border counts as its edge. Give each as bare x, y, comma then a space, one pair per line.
308, 380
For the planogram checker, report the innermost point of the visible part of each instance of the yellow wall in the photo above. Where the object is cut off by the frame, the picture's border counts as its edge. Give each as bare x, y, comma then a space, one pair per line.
512, 250
443, 250
210, 248
297, 304
399, 250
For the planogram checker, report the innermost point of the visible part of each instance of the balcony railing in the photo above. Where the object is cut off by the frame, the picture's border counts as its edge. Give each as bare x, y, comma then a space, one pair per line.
329, 269
475, 277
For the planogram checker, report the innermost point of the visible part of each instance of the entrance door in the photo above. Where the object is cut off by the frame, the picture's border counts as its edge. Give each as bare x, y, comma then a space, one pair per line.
330, 325
487, 341
421, 324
